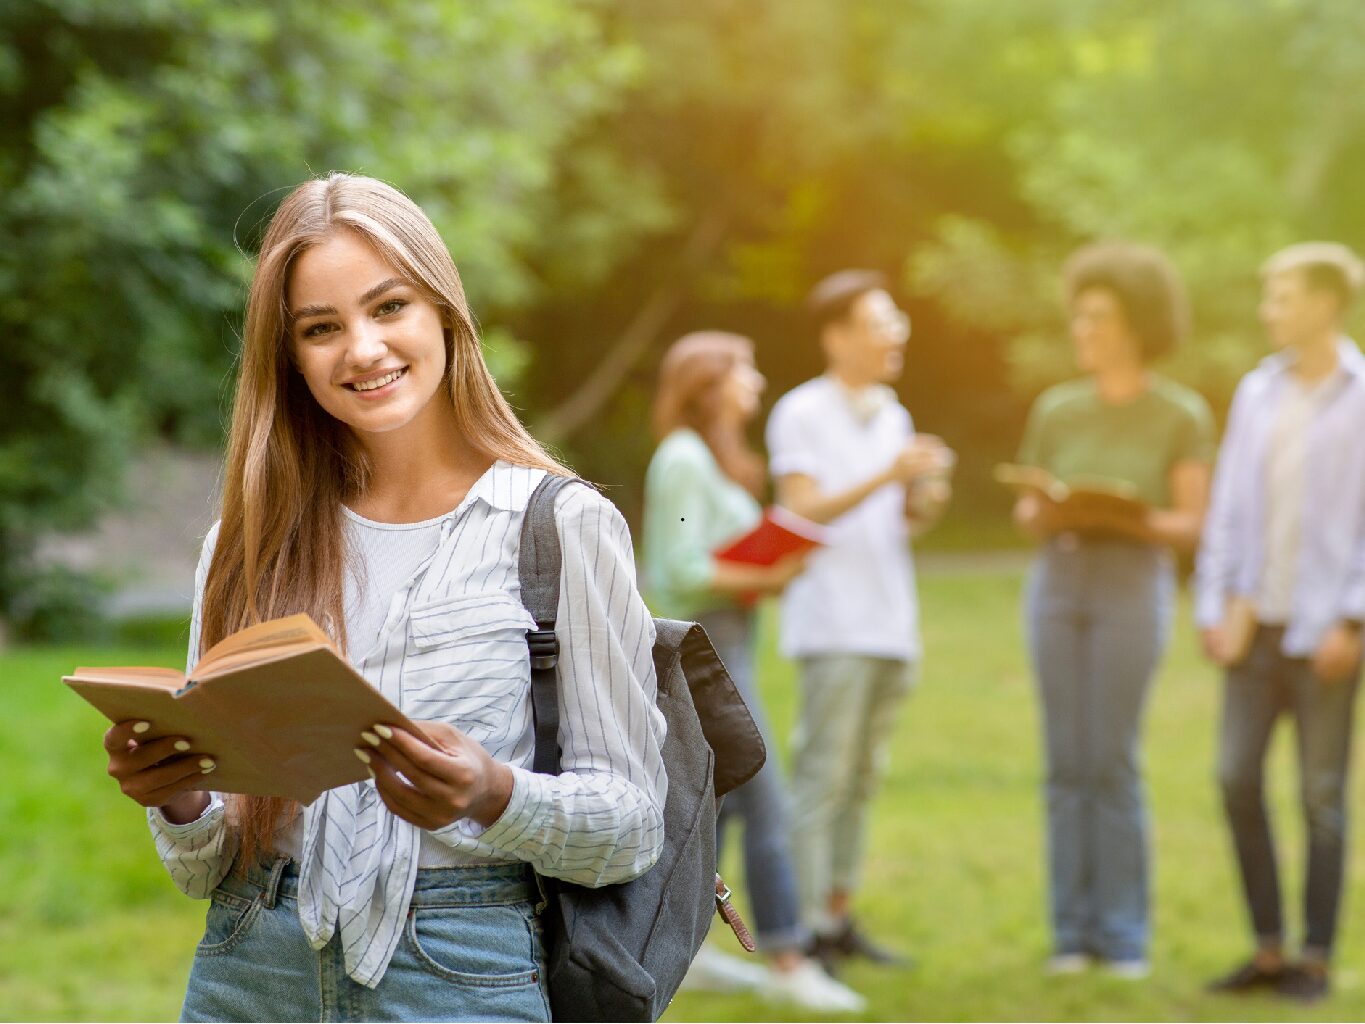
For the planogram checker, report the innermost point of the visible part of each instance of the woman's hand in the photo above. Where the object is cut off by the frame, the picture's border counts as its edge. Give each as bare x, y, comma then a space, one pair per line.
158, 771
445, 775
745, 579
1036, 515
784, 570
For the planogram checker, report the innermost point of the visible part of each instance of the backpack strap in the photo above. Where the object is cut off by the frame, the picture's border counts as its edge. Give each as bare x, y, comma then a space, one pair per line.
538, 568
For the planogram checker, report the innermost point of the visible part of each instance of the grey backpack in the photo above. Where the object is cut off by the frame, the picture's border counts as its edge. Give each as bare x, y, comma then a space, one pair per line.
619, 952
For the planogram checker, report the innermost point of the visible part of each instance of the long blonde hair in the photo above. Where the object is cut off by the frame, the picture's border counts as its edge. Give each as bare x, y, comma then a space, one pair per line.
290, 465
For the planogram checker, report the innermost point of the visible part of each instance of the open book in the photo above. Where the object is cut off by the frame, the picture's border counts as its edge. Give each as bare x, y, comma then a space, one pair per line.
276, 705
780, 533
1085, 504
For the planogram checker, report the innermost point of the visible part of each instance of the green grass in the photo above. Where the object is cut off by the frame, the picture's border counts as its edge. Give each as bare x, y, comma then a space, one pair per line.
91, 928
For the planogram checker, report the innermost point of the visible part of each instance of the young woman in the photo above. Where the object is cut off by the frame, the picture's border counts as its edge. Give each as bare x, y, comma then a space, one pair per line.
1099, 603
700, 491
376, 479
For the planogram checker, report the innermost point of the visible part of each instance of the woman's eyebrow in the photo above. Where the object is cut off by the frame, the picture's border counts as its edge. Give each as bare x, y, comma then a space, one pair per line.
380, 289
306, 311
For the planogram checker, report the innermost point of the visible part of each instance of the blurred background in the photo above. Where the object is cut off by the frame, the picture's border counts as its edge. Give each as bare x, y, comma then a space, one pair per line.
610, 174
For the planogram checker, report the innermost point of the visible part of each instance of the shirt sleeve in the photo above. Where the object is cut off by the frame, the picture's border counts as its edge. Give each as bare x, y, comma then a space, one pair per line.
791, 444
1034, 449
198, 853
680, 562
600, 821
1218, 548
1194, 437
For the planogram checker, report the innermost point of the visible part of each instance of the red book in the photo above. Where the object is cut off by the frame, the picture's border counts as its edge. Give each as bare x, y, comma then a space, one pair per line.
781, 533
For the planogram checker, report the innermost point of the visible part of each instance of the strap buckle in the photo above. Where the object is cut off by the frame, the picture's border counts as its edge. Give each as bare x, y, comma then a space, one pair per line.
544, 647
730, 915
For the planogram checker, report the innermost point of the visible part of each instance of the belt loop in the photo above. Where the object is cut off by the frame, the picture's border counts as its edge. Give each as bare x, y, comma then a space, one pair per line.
272, 884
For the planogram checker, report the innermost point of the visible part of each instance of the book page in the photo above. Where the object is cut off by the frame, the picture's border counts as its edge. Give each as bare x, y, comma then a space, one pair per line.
295, 630
138, 675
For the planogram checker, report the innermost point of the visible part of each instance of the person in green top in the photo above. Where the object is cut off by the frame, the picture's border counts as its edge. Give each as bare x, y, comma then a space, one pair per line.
1099, 600
701, 490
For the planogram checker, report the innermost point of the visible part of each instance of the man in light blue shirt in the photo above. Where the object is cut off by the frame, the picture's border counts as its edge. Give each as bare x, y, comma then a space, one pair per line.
1283, 563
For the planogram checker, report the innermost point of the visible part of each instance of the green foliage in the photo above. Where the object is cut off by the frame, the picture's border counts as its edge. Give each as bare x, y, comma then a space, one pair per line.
55, 604
143, 146
580, 157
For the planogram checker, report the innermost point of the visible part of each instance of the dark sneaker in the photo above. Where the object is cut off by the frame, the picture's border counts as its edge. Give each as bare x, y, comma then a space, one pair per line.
1304, 984
824, 949
1250, 977
851, 942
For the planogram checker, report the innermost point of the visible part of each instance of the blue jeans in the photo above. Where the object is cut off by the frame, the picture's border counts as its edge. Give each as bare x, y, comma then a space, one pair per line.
761, 803
1266, 685
1098, 615
472, 951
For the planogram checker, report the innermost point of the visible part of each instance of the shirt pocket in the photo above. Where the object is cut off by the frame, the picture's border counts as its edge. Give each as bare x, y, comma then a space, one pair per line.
467, 664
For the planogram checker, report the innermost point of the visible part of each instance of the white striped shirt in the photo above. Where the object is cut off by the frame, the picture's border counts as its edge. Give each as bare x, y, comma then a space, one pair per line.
453, 648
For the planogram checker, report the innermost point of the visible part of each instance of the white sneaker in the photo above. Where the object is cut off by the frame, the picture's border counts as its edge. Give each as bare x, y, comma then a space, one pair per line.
812, 989
714, 971
1068, 963
1128, 970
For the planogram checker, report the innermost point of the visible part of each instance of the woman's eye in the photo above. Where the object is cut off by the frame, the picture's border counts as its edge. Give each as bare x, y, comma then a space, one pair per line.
391, 306
317, 330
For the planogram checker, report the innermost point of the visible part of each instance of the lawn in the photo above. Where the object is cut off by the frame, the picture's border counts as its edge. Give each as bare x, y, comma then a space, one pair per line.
91, 929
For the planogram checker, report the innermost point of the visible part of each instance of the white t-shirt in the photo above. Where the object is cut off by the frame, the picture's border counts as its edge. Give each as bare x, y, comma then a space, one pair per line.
384, 557
857, 595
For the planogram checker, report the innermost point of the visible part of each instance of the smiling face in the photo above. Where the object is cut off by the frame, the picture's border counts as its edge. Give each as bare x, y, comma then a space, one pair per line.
1100, 332
369, 344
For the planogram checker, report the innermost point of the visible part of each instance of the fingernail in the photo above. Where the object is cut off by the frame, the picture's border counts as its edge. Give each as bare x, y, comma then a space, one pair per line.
384, 731
370, 738
207, 765
181, 746
142, 727
369, 771
364, 757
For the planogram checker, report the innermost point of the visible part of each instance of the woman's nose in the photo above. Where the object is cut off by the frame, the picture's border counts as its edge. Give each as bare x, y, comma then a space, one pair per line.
366, 344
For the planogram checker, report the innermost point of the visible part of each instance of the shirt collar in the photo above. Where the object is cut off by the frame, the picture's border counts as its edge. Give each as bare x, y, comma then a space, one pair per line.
864, 402
506, 487
1350, 360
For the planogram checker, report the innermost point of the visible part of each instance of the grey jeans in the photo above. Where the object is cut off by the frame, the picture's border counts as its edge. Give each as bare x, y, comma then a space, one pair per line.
1266, 685
1098, 617
839, 753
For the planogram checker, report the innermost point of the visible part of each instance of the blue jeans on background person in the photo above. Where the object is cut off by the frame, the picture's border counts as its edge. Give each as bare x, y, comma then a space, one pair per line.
472, 950
1098, 615
761, 803
1267, 684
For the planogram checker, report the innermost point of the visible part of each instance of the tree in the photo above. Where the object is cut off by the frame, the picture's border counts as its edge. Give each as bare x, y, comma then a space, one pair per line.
144, 144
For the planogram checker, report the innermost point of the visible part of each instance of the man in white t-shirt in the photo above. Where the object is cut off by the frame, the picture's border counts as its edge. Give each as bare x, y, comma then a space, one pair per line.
844, 452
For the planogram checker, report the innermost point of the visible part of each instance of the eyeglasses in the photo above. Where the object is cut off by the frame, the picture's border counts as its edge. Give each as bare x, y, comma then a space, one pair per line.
894, 323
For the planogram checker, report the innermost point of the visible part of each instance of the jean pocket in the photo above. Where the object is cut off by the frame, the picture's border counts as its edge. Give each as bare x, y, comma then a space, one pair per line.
482, 946
228, 921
